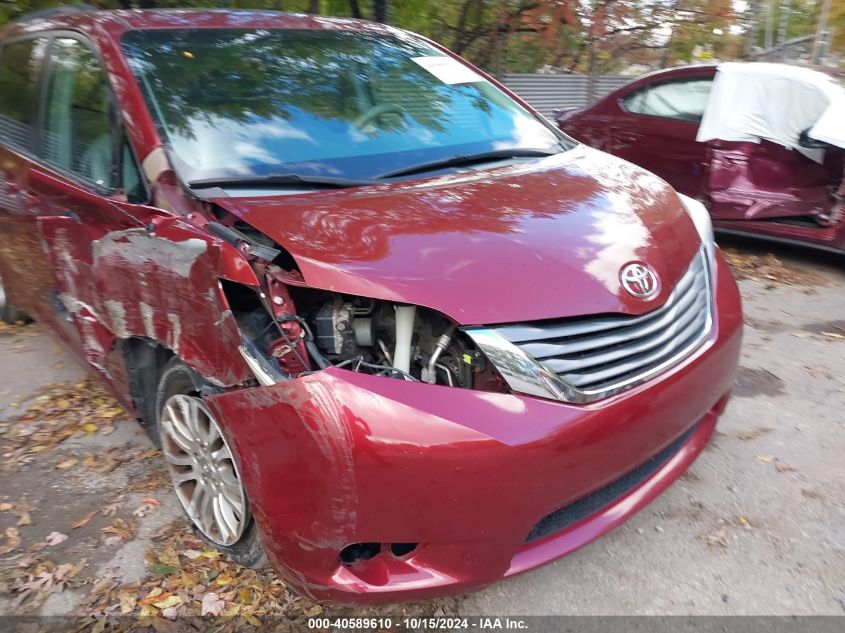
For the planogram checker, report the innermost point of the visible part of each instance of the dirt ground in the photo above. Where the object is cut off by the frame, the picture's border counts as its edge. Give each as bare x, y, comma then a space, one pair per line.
88, 525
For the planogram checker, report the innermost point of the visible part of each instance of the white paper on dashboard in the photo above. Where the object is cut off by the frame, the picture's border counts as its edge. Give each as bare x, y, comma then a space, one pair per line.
448, 70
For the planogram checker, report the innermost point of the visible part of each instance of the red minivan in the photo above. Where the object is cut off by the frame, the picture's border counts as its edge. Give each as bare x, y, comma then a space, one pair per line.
390, 327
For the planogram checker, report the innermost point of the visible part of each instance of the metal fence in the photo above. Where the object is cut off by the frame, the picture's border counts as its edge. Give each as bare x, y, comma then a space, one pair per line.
552, 92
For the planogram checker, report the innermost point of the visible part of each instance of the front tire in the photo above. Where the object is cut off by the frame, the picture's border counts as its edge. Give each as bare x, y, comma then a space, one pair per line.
203, 470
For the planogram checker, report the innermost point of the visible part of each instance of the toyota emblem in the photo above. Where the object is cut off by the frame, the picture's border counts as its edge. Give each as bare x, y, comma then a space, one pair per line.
640, 281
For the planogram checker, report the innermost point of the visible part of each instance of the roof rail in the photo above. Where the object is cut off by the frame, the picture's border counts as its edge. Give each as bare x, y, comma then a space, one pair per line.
68, 9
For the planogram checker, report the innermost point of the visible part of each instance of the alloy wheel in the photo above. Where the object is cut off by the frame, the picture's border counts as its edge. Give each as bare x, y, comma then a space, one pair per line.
203, 470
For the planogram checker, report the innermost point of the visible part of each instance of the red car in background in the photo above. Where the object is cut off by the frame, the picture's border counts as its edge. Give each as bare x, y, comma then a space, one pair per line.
388, 325
756, 166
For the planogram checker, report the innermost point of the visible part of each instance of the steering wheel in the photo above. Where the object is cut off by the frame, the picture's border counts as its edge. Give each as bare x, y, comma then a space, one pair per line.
375, 112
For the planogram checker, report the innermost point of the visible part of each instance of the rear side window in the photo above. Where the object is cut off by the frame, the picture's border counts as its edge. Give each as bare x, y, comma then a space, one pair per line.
20, 71
77, 133
682, 100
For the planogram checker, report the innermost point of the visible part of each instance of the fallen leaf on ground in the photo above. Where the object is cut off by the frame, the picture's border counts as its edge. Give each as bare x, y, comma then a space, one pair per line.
212, 604
68, 463
753, 433
84, 520
120, 528
54, 538
770, 269
716, 538
766, 458
169, 601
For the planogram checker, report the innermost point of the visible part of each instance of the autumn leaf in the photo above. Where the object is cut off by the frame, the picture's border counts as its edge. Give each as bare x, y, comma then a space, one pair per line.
168, 556
84, 520
169, 601
157, 594
128, 600
68, 463
120, 528
161, 569
54, 538
212, 604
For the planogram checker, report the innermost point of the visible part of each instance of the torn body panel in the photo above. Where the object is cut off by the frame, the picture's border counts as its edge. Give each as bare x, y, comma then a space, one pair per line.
161, 285
336, 458
754, 181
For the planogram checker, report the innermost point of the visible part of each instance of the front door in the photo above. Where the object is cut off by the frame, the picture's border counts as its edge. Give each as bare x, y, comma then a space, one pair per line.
83, 185
656, 129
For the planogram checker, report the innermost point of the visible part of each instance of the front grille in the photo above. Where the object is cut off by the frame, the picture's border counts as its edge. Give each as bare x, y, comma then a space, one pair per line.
603, 497
598, 356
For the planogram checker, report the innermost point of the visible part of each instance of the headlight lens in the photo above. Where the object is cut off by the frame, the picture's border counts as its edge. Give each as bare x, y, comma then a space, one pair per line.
701, 218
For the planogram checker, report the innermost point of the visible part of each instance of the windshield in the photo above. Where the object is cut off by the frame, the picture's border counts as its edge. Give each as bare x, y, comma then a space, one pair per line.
340, 104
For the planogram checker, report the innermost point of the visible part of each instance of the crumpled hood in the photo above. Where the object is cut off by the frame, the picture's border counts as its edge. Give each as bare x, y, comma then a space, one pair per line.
531, 241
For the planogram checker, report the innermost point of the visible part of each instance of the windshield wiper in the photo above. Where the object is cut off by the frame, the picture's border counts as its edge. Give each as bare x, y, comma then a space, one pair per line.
463, 160
278, 180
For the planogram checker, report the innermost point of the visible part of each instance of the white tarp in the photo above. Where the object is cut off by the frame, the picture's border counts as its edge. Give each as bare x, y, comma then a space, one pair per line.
776, 102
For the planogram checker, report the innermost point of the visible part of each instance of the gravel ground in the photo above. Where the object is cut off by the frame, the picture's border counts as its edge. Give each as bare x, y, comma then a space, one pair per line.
757, 525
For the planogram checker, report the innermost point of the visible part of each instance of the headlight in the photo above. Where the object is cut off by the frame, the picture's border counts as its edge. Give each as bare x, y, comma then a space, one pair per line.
701, 218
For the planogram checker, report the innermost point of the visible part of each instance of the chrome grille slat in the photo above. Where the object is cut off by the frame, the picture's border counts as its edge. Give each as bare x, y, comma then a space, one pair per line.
581, 379
667, 338
585, 359
545, 349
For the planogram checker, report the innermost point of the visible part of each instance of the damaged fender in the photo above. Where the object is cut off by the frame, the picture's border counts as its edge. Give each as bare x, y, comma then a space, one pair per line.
161, 283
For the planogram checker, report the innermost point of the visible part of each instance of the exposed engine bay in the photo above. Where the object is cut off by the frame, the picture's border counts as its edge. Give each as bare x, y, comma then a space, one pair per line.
291, 330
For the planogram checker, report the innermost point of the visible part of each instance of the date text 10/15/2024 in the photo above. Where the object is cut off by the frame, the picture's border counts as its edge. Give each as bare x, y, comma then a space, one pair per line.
479, 623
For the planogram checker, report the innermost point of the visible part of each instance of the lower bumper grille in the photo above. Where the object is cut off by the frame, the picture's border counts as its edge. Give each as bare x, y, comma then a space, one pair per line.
569, 515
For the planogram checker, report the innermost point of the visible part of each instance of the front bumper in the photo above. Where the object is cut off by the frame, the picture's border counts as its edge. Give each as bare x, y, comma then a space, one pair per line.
337, 458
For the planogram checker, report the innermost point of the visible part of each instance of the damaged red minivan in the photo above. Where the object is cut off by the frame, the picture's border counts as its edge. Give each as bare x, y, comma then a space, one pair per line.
388, 325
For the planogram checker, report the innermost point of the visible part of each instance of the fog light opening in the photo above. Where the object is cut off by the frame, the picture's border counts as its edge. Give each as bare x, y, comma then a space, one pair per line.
402, 549
358, 552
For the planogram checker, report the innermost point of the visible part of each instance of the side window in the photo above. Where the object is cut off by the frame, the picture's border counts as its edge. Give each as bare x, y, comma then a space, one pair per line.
682, 100
130, 175
20, 70
77, 135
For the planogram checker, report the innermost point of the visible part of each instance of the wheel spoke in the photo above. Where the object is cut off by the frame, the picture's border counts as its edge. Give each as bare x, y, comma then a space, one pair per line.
178, 431
225, 517
180, 478
232, 494
177, 459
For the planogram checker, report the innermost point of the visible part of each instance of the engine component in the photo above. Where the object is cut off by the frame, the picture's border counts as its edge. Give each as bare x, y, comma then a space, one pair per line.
405, 316
429, 372
337, 332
